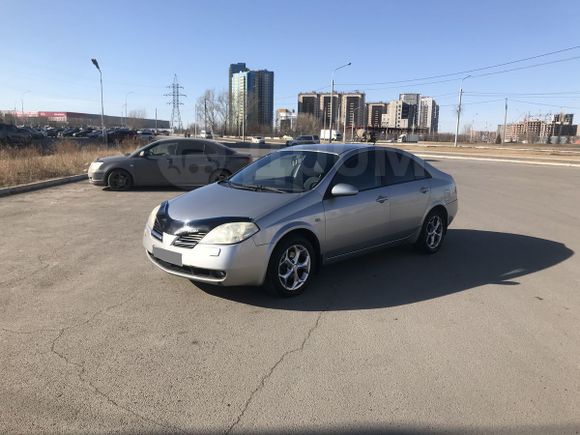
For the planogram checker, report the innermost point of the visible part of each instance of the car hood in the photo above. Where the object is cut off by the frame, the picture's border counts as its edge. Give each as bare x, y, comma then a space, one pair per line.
218, 201
112, 159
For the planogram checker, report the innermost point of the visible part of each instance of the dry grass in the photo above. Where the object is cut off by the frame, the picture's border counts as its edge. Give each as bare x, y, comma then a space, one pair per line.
27, 165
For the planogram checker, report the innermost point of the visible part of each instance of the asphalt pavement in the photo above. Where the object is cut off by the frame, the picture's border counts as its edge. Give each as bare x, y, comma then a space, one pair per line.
483, 336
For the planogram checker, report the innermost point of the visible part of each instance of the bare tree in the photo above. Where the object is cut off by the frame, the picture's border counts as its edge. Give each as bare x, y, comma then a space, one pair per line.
212, 110
306, 123
135, 118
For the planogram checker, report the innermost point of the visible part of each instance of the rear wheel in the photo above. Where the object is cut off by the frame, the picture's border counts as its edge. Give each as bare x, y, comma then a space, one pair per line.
433, 232
119, 179
291, 267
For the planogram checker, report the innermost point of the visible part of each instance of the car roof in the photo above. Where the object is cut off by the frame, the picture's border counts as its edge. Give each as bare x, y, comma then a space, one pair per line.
334, 148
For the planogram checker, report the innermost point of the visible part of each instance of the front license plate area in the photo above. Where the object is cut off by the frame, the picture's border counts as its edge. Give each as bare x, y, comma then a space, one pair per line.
168, 256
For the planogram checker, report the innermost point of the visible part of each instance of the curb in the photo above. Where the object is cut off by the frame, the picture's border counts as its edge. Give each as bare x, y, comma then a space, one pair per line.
21, 188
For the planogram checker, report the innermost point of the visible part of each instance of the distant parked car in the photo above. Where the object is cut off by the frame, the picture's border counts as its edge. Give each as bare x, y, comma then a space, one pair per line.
258, 139
84, 132
34, 133
205, 134
52, 131
68, 132
168, 162
12, 135
146, 135
304, 140
120, 134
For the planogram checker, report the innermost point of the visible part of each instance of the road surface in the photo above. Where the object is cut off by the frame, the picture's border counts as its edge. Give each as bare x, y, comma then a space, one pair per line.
484, 336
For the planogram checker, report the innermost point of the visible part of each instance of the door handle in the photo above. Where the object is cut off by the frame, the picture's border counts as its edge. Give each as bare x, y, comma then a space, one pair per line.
424, 189
382, 199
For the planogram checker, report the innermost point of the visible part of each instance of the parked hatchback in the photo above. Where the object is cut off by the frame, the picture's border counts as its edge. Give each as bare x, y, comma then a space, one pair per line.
168, 162
277, 220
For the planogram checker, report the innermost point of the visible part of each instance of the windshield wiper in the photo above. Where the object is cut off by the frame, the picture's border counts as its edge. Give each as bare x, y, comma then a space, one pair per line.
254, 187
238, 185
269, 189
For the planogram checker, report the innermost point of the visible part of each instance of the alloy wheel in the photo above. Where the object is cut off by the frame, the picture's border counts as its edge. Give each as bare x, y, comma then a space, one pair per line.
294, 267
434, 231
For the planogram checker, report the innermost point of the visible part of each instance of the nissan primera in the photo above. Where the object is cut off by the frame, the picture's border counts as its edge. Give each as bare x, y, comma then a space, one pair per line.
276, 221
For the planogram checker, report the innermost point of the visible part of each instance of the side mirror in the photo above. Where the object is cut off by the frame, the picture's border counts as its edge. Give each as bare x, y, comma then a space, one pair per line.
142, 154
343, 189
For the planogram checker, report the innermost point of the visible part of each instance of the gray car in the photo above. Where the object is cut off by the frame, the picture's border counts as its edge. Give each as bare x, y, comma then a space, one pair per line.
168, 162
277, 220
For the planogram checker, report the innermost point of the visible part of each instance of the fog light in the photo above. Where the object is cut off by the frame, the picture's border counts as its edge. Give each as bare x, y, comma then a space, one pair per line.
219, 274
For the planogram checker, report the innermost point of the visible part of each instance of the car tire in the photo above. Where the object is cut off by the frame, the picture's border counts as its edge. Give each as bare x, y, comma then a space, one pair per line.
433, 232
295, 258
219, 175
119, 179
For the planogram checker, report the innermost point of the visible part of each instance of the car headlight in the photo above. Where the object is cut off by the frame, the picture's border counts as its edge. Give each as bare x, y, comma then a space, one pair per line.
95, 166
230, 233
152, 216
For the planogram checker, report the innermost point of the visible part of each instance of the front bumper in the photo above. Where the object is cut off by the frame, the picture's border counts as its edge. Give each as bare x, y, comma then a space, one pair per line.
244, 263
97, 178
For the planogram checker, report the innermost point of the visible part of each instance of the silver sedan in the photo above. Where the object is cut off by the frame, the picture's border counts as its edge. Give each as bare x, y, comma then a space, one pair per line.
276, 221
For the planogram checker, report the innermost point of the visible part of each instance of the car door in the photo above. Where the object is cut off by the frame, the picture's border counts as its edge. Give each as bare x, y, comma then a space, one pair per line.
155, 167
408, 189
193, 163
360, 221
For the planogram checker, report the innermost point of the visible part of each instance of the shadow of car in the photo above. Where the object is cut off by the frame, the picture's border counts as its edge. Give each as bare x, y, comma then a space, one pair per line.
387, 278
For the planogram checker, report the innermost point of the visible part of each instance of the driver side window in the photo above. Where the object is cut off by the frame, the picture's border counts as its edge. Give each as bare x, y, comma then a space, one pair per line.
359, 171
163, 149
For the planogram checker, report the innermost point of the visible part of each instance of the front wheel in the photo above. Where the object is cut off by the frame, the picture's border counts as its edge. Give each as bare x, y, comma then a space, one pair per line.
433, 232
291, 267
119, 180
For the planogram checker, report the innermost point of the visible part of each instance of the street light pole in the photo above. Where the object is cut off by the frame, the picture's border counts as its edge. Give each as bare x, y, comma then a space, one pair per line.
459, 108
126, 109
332, 98
96, 64
22, 102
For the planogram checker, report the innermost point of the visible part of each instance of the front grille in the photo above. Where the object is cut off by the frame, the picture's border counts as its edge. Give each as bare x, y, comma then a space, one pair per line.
156, 231
188, 240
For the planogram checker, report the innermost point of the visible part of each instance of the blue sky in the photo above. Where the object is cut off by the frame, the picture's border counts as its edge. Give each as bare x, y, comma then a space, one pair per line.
47, 46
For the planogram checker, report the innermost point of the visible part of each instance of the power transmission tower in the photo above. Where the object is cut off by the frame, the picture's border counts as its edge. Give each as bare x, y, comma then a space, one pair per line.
175, 94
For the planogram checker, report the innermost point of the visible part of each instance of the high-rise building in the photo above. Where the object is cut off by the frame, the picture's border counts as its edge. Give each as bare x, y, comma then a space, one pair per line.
346, 107
352, 109
400, 115
533, 130
252, 100
309, 103
428, 114
410, 98
234, 69
375, 112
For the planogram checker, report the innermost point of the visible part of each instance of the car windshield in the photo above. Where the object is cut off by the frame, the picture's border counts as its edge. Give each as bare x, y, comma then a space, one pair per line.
285, 172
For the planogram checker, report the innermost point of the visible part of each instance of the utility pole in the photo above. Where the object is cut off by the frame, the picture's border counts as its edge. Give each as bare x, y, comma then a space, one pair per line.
332, 98
205, 114
459, 108
195, 120
505, 121
104, 132
175, 102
